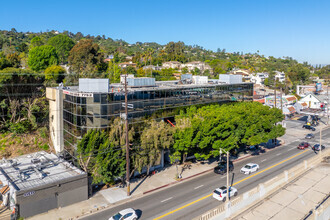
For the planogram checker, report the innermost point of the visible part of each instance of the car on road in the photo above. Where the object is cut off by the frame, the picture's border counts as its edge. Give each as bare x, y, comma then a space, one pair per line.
222, 167
316, 147
303, 145
250, 168
126, 214
310, 136
221, 193
309, 127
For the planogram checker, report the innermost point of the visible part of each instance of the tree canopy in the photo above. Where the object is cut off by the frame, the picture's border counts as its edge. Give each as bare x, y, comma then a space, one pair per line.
85, 58
207, 129
62, 44
41, 57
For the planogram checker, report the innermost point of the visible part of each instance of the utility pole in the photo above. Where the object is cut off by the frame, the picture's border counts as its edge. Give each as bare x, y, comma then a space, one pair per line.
281, 102
127, 147
275, 90
328, 103
320, 141
227, 199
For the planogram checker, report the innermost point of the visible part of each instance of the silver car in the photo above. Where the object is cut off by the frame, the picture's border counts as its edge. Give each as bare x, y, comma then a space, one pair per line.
310, 136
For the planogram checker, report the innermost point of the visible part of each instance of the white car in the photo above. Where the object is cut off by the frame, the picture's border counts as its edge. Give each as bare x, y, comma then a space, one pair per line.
221, 193
250, 168
126, 214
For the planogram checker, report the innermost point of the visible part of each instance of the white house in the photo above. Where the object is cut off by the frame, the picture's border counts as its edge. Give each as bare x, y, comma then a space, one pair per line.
172, 64
300, 106
313, 101
280, 76
197, 64
152, 67
259, 78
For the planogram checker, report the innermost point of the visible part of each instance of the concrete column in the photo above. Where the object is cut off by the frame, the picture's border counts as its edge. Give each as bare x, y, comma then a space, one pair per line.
55, 98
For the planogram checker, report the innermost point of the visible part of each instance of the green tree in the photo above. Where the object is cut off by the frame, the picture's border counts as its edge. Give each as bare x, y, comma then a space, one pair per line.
42, 57
114, 72
62, 44
14, 60
184, 70
55, 73
230, 126
36, 42
84, 58
156, 137
130, 70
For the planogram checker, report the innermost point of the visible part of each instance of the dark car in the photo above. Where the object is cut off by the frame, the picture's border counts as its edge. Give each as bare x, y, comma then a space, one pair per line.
310, 136
222, 167
303, 145
316, 147
308, 127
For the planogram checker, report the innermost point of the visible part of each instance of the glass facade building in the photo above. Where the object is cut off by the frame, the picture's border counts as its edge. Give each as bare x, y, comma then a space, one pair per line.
83, 111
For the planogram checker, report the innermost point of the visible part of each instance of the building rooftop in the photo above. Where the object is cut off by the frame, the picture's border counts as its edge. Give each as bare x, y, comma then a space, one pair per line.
159, 85
34, 170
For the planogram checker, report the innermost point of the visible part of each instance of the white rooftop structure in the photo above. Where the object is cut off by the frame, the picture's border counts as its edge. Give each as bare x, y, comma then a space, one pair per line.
34, 170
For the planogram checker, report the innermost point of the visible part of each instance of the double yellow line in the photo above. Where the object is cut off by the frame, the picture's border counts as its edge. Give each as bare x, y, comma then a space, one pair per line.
200, 199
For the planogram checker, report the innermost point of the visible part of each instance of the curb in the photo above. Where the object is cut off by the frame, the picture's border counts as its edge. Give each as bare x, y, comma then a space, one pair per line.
197, 174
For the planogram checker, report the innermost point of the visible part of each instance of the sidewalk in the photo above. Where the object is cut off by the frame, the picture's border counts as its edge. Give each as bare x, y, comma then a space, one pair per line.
114, 196
295, 200
139, 187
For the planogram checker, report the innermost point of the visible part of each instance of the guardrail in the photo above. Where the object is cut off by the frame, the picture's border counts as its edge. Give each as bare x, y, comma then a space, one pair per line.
250, 198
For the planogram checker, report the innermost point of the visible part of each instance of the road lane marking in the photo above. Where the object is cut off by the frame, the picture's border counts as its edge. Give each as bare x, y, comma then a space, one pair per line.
291, 149
223, 177
278, 154
263, 160
200, 199
166, 199
198, 187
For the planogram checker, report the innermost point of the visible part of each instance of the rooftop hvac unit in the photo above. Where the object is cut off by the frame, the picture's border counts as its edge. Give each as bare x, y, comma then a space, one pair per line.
230, 79
94, 85
140, 82
200, 79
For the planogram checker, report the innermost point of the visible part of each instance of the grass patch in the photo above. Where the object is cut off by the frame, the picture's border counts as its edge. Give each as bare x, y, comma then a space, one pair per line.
44, 147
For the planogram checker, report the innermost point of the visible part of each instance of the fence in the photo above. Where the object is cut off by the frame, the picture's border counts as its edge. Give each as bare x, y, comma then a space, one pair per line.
250, 198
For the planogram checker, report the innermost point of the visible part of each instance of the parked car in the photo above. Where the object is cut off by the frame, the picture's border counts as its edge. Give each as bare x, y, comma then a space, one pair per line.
222, 167
303, 145
126, 214
250, 168
221, 193
310, 136
316, 147
308, 127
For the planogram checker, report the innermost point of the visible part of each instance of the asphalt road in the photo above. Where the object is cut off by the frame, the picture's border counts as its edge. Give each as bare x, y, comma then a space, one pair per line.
190, 198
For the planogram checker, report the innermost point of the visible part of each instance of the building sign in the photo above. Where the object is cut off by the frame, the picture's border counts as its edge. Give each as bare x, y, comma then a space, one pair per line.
79, 94
29, 193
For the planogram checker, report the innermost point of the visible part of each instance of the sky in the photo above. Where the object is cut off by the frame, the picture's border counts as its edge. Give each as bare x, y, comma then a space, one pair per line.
296, 28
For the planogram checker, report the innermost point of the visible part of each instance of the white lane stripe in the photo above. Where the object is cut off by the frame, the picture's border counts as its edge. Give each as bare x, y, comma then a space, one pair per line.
263, 160
198, 187
291, 149
278, 154
223, 177
166, 199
